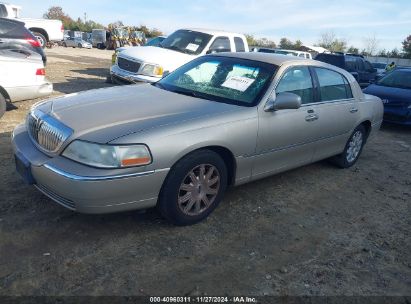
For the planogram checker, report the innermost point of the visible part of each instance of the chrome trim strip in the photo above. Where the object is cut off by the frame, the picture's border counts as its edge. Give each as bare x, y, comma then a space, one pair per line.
99, 178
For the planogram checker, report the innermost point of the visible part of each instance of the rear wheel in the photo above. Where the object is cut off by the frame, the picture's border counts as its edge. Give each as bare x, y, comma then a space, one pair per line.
353, 148
41, 38
3, 105
194, 188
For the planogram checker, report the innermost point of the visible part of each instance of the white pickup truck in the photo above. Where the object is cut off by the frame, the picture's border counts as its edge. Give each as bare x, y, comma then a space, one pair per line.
45, 30
149, 63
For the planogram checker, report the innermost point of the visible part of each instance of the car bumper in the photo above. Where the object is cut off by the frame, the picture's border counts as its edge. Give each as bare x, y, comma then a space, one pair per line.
29, 92
129, 77
397, 115
97, 192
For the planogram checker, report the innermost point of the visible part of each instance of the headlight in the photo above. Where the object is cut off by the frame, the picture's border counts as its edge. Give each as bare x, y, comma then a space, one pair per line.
152, 70
107, 156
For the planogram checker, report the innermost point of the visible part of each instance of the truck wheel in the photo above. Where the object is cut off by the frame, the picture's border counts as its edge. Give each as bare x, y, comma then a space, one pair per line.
193, 188
352, 150
41, 39
3, 105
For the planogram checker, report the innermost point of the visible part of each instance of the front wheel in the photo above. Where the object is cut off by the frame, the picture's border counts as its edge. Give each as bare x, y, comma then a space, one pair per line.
193, 188
353, 148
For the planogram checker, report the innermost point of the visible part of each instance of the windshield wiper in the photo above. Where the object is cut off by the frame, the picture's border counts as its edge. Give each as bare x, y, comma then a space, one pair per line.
174, 48
191, 93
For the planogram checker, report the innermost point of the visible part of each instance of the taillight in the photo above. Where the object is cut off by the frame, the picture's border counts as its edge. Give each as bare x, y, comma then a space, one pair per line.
41, 72
33, 42
62, 28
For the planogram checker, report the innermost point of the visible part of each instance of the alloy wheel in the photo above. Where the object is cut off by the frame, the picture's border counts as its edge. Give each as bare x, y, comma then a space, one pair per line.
354, 146
199, 189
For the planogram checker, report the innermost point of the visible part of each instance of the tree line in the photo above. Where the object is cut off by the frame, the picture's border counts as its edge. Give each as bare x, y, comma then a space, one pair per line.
56, 12
331, 42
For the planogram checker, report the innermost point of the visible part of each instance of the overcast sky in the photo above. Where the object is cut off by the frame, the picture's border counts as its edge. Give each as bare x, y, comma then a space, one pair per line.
353, 20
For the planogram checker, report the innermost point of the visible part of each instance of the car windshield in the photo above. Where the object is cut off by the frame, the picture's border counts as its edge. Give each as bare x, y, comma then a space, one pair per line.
185, 41
222, 79
397, 79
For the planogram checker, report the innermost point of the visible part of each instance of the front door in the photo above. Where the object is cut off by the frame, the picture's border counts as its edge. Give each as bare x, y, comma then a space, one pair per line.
286, 137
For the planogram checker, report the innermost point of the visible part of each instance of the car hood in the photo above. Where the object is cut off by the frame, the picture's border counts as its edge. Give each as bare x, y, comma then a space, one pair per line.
390, 94
103, 115
168, 59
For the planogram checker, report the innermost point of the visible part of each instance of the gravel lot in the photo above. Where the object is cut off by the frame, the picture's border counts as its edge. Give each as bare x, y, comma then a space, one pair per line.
317, 230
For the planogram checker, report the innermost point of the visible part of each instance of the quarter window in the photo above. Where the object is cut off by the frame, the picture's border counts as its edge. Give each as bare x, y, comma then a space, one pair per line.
239, 44
297, 80
333, 85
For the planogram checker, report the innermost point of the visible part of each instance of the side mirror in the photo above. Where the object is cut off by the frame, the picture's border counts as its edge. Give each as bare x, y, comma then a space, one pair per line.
283, 101
166, 73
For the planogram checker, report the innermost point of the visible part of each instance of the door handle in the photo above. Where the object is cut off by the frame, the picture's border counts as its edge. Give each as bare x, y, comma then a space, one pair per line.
311, 117
353, 110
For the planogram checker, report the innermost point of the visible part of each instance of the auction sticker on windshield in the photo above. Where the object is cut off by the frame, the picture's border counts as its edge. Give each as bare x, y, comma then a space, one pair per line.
192, 47
238, 83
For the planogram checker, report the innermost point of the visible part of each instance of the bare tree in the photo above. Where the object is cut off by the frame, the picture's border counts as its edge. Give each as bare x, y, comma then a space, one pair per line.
371, 45
329, 41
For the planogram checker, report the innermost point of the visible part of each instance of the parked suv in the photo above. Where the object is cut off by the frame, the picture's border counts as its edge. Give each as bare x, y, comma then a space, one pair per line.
361, 69
14, 35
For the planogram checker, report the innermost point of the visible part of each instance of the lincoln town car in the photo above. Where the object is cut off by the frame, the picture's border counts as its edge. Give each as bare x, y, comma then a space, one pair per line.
220, 120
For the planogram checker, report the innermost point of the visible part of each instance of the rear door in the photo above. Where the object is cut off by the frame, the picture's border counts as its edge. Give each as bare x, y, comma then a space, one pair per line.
338, 112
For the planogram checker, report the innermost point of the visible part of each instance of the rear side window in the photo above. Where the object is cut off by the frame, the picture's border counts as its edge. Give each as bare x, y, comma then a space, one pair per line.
333, 85
297, 80
239, 44
221, 44
13, 30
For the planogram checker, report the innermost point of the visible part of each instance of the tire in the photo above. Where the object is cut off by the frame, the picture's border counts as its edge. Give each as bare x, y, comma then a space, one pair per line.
41, 38
186, 198
79, 45
353, 148
64, 44
3, 105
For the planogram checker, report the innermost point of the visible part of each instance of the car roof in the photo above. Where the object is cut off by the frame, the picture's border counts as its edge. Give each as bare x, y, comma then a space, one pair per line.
12, 21
272, 58
212, 31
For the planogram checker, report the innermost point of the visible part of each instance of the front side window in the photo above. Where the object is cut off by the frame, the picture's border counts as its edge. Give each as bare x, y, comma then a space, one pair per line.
221, 44
239, 44
188, 42
297, 80
333, 85
222, 79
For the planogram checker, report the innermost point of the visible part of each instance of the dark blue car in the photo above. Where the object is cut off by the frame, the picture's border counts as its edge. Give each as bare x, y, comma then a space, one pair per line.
395, 91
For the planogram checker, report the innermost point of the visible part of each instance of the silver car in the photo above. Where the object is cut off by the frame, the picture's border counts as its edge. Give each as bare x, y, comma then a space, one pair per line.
77, 42
218, 121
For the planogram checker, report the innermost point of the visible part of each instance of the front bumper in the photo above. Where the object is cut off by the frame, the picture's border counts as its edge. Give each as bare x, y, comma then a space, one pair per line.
99, 191
397, 115
129, 77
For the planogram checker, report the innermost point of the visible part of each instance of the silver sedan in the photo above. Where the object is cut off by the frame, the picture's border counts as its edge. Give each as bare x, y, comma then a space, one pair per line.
218, 121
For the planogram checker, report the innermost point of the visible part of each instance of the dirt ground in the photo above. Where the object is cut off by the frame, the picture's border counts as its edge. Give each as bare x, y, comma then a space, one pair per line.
316, 230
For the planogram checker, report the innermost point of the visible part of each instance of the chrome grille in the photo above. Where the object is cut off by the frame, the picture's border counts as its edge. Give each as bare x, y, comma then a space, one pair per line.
128, 65
47, 132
